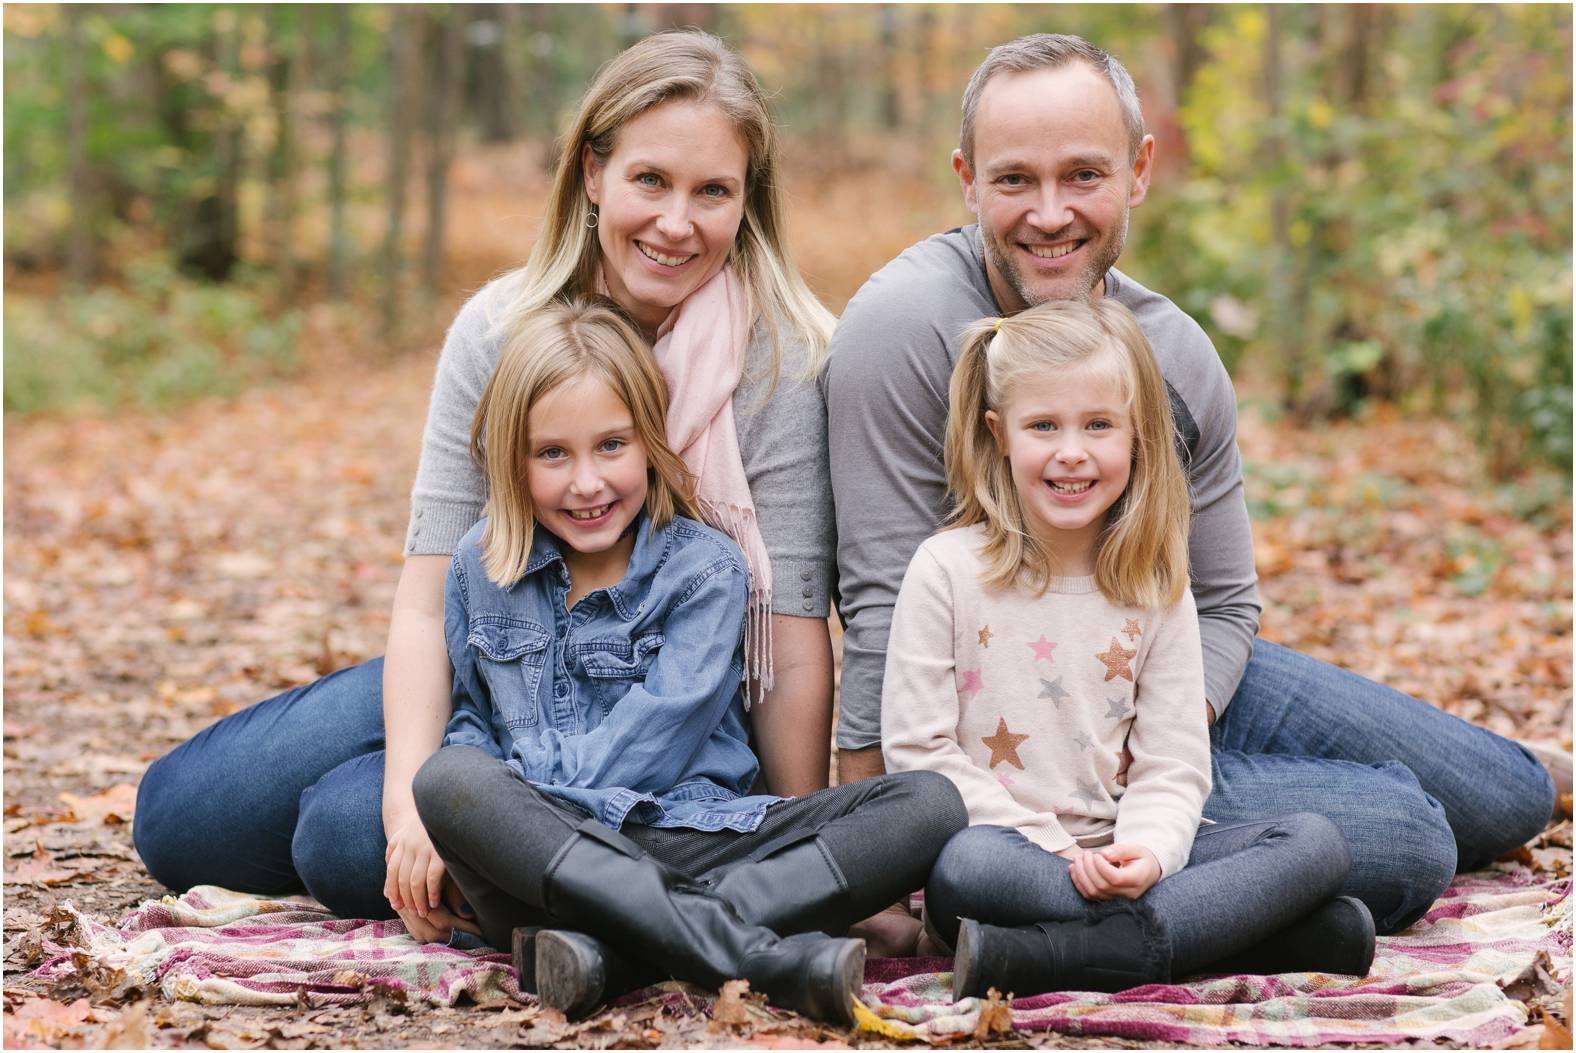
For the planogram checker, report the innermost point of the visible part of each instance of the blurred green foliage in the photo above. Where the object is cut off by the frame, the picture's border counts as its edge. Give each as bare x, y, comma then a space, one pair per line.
159, 340
1365, 202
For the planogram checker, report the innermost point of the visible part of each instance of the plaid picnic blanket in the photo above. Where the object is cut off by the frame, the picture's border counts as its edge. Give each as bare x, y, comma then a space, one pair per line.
1442, 979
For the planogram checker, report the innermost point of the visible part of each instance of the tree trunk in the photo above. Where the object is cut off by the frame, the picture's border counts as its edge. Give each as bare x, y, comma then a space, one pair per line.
891, 103
401, 47
338, 240
80, 243
493, 75
283, 84
445, 54
1286, 321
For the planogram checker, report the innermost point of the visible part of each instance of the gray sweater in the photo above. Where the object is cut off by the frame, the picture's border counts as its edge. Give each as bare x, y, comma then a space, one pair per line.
885, 385
782, 442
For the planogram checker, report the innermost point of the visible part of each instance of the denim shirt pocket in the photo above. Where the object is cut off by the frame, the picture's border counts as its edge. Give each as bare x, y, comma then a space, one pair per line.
614, 666
510, 656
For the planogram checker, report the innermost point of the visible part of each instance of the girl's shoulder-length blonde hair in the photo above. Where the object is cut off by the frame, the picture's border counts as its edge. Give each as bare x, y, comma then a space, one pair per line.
554, 345
679, 65
1141, 555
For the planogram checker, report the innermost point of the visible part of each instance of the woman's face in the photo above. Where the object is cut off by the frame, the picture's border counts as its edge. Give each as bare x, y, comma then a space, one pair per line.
670, 198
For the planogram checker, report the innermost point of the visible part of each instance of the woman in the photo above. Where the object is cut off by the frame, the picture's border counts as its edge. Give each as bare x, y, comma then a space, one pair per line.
669, 174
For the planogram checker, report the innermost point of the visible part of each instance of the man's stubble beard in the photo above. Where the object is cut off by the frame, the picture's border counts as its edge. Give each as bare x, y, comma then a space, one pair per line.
1094, 273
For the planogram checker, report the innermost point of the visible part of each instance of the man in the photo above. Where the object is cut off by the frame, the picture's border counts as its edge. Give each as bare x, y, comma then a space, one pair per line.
1052, 157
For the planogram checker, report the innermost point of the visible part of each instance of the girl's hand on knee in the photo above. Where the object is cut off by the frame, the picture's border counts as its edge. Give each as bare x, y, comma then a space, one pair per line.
414, 880
1127, 870
1090, 883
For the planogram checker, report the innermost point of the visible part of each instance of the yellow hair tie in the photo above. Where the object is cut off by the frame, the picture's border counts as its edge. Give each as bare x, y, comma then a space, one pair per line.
997, 327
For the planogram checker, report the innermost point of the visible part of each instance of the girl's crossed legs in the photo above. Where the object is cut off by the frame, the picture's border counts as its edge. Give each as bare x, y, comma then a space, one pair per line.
1243, 882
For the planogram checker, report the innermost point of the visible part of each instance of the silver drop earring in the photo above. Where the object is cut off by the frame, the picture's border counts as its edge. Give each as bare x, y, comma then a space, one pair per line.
591, 218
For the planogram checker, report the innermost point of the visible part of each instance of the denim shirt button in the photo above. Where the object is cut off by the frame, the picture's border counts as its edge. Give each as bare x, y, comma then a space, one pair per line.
804, 576
809, 606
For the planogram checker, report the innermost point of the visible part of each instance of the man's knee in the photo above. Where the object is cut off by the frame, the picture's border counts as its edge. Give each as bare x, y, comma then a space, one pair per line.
1402, 871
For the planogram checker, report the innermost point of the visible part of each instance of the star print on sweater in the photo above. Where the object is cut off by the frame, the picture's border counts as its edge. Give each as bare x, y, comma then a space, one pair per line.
1117, 661
971, 682
985, 635
1116, 708
1004, 746
1053, 690
1131, 630
1042, 649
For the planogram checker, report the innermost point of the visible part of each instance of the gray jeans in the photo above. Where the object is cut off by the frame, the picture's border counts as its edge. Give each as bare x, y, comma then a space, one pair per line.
497, 834
1242, 883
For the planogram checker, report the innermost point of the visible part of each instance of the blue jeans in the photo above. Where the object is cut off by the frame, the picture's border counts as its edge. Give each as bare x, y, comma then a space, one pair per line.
283, 796
1242, 884
1412, 789
1417, 793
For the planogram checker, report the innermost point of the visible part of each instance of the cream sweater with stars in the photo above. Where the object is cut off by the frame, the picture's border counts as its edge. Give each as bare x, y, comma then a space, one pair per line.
1024, 702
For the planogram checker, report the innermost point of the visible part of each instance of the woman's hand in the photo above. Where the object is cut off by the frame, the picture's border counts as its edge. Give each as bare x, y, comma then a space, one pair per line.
1124, 871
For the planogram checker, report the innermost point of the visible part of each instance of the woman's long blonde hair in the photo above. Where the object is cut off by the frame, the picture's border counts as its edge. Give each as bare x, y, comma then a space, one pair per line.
682, 65
554, 345
1141, 554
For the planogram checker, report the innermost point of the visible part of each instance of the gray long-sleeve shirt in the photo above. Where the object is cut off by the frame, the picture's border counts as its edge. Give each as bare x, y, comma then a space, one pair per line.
782, 442
885, 384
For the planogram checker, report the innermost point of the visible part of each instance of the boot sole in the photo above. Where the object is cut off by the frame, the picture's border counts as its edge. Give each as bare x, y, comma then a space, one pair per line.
964, 965
833, 1002
570, 975
522, 946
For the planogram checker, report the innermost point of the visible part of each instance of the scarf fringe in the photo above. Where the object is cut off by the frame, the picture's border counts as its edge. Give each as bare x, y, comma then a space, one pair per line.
739, 524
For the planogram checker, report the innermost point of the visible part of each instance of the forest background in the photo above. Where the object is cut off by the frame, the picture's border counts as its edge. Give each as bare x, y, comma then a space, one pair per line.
234, 236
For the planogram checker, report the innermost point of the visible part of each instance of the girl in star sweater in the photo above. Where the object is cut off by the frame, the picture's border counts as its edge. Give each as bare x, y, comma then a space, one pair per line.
1045, 657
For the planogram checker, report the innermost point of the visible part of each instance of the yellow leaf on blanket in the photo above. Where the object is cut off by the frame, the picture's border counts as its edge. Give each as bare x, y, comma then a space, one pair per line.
868, 1021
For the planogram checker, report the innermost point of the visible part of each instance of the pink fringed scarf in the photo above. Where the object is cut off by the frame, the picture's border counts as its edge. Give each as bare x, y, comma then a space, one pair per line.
700, 349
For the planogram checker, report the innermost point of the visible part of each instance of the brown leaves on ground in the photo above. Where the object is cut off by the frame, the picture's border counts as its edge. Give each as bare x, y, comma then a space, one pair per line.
995, 1016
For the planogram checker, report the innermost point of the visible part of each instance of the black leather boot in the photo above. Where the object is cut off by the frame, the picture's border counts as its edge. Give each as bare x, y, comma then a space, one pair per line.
604, 884
790, 885
793, 885
1337, 937
1122, 945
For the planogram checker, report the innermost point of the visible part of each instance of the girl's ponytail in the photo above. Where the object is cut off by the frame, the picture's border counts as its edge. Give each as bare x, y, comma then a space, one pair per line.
979, 479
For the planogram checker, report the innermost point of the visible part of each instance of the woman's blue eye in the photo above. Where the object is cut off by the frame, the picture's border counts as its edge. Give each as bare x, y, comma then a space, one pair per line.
648, 179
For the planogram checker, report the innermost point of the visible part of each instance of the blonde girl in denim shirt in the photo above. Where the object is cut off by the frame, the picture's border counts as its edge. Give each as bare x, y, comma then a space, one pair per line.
592, 795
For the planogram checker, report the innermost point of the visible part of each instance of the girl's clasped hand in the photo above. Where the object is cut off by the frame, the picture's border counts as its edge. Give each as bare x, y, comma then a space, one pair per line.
1117, 870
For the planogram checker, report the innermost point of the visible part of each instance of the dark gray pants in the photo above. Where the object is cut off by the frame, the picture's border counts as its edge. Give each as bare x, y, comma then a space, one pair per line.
497, 834
1243, 882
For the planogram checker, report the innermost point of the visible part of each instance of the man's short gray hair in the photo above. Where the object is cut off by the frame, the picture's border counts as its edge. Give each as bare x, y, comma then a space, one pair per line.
1051, 51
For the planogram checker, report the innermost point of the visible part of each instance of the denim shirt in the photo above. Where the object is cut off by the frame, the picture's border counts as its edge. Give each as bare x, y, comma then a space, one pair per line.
630, 704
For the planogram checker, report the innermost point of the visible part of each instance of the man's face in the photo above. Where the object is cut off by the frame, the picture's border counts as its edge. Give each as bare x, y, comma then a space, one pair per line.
1051, 183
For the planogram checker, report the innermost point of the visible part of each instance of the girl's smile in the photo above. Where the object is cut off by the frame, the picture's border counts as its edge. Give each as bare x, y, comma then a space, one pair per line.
587, 473
1069, 441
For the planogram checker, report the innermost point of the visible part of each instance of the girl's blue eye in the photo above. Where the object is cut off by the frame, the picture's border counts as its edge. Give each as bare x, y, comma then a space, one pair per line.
613, 445
1099, 425
1043, 425
551, 453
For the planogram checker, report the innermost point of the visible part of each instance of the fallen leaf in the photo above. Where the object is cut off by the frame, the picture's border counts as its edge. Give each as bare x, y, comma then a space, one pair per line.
995, 1016
1534, 980
735, 1006
44, 1020
112, 807
130, 1029
40, 869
